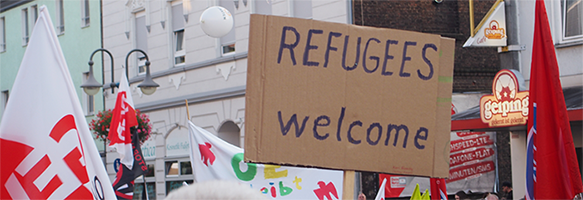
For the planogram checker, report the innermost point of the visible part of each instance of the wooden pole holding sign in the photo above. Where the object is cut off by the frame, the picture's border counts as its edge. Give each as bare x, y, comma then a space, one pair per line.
472, 18
187, 111
348, 185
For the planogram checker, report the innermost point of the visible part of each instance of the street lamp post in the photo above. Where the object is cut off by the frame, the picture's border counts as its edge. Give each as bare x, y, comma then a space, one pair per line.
91, 86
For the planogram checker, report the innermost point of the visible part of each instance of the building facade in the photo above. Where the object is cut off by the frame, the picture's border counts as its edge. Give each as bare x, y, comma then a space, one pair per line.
475, 68
78, 26
209, 73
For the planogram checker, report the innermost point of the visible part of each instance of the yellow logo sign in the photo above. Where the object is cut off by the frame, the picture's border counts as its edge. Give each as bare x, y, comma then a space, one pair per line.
494, 31
507, 106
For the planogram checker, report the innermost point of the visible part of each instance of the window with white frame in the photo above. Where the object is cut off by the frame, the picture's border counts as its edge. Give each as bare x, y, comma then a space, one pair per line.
34, 13
85, 19
2, 35
572, 19
25, 31
302, 9
178, 40
262, 7
4, 99
60, 17
177, 172
228, 41
141, 41
89, 100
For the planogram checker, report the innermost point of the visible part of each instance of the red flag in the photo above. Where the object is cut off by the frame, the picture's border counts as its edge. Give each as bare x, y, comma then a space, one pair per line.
552, 169
124, 117
438, 189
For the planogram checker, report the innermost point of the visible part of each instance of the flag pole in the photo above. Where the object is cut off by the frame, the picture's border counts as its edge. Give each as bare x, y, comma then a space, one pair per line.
187, 111
348, 185
145, 187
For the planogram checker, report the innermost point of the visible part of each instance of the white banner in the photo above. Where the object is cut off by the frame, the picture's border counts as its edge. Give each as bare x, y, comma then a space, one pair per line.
493, 32
213, 158
472, 165
47, 150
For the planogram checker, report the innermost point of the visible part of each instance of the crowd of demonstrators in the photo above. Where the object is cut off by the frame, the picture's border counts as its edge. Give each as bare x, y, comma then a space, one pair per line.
507, 189
469, 195
216, 189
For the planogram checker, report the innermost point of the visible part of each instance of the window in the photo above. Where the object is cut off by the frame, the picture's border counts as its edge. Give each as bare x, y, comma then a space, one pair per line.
262, 7
185, 168
140, 193
2, 35
230, 132
25, 31
88, 99
34, 13
151, 170
60, 17
572, 19
141, 64
302, 9
141, 41
228, 41
172, 185
4, 99
178, 27
85, 13
176, 168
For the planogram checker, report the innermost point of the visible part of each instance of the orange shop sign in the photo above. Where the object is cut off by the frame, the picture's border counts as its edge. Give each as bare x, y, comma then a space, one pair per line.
507, 106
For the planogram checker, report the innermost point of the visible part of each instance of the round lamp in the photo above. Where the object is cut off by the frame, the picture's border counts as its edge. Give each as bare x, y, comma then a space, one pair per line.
216, 21
91, 90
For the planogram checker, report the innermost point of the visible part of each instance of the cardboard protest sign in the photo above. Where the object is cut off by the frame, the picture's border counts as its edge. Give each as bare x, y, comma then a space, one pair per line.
347, 97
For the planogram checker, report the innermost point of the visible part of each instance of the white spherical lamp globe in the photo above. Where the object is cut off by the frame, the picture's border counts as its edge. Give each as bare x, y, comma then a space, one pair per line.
216, 21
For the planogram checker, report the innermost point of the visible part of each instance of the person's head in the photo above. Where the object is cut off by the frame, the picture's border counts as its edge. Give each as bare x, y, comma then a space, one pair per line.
506, 186
491, 196
461, 195
361, 196
216, 190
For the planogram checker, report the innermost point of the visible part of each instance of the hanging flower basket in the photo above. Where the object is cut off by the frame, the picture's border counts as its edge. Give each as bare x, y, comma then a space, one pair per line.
100, 125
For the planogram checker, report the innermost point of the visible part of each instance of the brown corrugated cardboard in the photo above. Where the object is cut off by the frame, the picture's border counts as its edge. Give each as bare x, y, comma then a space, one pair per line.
445, 80
347, 97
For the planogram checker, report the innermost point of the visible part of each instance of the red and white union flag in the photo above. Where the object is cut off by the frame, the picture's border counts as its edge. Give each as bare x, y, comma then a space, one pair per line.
123, 117
46, 148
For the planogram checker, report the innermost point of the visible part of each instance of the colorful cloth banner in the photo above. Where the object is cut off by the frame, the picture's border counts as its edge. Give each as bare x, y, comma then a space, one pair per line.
212, 158
552, 170
46, 148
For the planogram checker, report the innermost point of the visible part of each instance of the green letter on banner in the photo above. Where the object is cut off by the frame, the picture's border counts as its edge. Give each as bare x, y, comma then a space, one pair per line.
251, 168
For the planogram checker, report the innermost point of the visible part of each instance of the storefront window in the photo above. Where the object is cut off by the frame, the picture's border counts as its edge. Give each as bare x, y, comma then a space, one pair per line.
172, 185
185, 168
151, 170
171, 168
175, 168
139, 191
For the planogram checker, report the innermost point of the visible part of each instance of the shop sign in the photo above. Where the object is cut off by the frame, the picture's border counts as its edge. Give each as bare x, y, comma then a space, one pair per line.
177, 144
507, 106
492, 30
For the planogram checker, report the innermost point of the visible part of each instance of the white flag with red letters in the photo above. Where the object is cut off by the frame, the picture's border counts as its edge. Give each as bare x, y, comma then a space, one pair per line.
123, 117
46, 148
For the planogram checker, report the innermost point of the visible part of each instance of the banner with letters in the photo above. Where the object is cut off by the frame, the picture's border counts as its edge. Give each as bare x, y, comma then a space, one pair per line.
212, 158
472, 161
